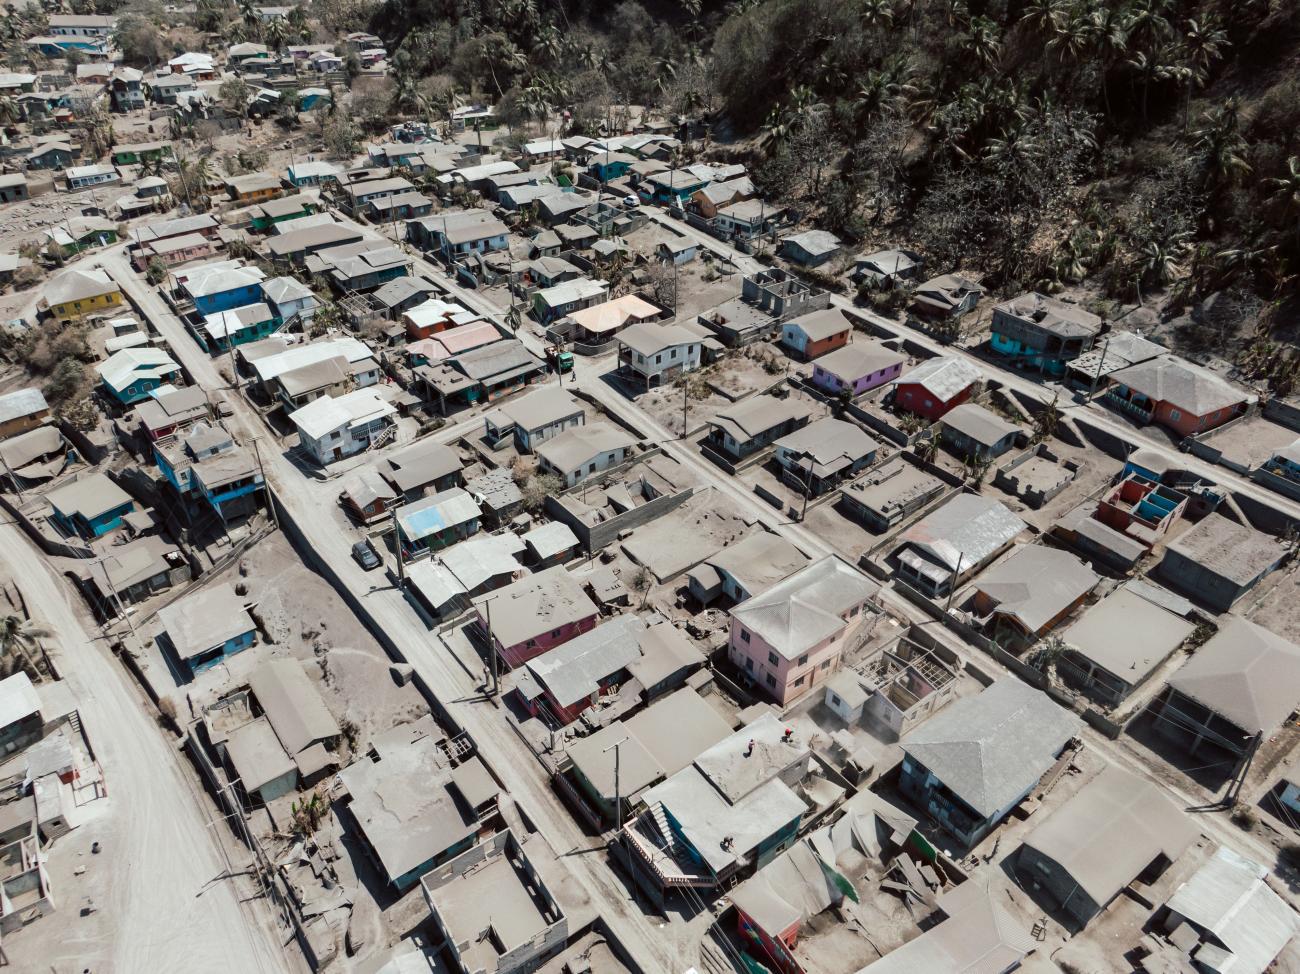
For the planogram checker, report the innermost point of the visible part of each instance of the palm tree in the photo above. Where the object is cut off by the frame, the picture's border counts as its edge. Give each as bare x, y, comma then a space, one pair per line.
1221, 144
1109, 43
984, 43
1284, 193
882, 89
1147, 23
17, 638
876, 14
1043, 17
1159, 261
277, 34
1072, 38
1203, 44
1153, 66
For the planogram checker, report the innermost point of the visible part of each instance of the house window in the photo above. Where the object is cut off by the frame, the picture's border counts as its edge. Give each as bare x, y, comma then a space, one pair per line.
803, 660
771, 680
799, 682
674, 354
591, 468
772, 658
658, 359
826, 664
1175, 415
835, 701
749, 664
928, 403
531, 644
744, 635
555, 633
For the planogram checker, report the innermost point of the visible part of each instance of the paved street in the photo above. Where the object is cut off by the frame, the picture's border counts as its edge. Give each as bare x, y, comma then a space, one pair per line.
170, 906
657, 947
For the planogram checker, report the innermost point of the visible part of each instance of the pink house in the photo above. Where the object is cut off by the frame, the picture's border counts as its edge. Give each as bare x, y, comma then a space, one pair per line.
857, 367
534, 614
174, 250
792, 637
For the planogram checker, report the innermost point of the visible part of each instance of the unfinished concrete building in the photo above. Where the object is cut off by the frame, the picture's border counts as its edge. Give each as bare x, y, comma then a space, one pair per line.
893, 691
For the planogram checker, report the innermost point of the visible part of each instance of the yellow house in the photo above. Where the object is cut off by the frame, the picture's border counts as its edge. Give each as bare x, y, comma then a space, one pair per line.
257, 187
75, 294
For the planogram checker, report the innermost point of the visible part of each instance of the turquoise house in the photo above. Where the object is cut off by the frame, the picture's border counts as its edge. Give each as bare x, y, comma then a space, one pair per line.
130, 375
89, 507
207, 627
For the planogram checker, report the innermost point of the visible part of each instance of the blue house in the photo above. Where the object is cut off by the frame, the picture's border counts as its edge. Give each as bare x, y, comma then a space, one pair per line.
238, 326
970, 765
89, 507
614, 165
221, 287
1041, 332
207, 627
131, 374
675, 186
205, 465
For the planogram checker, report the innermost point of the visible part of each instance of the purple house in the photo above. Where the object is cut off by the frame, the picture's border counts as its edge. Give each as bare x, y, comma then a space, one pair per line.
858, 367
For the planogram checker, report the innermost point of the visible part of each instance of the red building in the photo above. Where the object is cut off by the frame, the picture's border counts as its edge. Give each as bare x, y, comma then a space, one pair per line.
560, 684
936, 386
535, 614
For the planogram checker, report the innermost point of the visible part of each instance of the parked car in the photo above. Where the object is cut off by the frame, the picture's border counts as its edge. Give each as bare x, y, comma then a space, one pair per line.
631, 202
365, 555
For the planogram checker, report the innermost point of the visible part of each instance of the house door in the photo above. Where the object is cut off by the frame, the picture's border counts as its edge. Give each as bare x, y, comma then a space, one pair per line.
338, 453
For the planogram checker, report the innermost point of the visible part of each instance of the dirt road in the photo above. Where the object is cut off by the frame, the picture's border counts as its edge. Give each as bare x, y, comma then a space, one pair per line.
168, 907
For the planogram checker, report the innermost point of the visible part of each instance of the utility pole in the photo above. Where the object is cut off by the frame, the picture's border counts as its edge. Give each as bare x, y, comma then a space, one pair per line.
266, 484
230, 347
397, 549
13, 480
492, 650
618, 798
112, 592
686, 395
952, 589
1100, 362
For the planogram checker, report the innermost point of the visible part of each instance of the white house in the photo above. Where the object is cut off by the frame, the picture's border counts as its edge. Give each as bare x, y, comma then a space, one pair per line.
330, 429
579, 452
658, 353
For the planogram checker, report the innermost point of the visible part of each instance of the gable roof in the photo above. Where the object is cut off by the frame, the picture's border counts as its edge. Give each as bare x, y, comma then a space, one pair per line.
943, 377
1036, 584
577, 445
858, 359
1111, 830
292, 704
828, 445
1230, 897
991, 748
982, 425
751, 417
820, 325
966, 530
575, 669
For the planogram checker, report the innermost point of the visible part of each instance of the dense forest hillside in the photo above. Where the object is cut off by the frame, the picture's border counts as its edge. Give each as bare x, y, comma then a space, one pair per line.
1143, 148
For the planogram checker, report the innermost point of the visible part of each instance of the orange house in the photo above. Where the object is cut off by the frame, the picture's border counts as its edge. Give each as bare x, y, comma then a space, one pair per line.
813, 335
1176, 394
